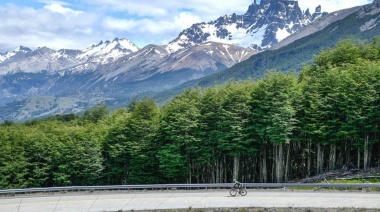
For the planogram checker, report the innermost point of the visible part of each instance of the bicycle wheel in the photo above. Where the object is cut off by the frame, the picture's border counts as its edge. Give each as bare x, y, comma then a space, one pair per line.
243, 192
233, 192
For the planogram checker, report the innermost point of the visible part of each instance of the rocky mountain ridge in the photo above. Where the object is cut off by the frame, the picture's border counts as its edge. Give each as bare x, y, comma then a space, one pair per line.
209, 56
259, 28
26, 60
370, 9
316, 26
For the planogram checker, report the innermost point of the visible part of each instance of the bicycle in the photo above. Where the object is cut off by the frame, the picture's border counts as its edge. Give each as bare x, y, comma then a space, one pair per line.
238, 189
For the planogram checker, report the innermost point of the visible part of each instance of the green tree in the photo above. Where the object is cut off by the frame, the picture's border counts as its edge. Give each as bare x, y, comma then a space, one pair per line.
234, 114
13, 162
95, 114
141, 132
115, 149
179, 130
273, 118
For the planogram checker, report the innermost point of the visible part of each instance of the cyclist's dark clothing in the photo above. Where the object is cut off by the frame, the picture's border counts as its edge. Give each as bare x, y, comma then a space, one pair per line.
237, 184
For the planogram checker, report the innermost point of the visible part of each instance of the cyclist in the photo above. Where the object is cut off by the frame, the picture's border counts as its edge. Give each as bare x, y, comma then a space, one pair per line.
237, 184
238, 189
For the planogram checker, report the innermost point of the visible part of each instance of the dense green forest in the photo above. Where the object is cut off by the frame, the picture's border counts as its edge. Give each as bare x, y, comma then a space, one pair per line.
279, 128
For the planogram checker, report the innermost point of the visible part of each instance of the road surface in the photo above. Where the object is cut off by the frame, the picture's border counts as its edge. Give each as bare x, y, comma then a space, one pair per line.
151, 200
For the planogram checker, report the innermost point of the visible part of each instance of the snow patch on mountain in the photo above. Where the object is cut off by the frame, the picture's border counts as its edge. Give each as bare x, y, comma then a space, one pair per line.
370, 24
7, 55
281, 34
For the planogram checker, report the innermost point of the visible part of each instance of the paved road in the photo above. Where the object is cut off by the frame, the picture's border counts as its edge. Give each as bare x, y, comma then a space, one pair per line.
151, 200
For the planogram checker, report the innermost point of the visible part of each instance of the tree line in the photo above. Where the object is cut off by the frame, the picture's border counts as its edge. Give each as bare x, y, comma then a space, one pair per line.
282, 127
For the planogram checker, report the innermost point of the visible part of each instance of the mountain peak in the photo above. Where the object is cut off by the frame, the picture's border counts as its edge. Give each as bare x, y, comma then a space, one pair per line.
318, 9
127, 44
44, 50
100, 43
371, 8
108, 51
23, 49
263, 25
307, 13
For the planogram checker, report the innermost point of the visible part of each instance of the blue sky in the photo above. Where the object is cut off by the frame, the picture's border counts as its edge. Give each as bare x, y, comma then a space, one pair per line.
77, 24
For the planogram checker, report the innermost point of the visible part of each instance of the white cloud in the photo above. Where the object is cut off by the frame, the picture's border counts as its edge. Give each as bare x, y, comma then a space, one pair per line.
208, 10
57, 8
151, 30
112, 23
331, 5
212, 9
186, 19
53, 25
181, 21
136, 7
137, 26
47, 2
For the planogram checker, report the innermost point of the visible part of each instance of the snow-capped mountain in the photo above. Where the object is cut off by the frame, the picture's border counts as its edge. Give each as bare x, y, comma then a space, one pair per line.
260, 27
207, 56
108, 51
202, 59
45, 59
41, 59
116, 68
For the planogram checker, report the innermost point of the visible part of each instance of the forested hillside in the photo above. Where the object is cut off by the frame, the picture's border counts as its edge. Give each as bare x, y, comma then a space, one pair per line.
279, 128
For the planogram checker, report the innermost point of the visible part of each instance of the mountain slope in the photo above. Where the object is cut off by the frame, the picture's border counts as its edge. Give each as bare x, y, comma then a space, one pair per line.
207, 56
316, 26
41, 107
